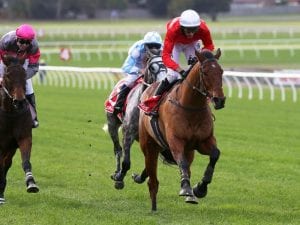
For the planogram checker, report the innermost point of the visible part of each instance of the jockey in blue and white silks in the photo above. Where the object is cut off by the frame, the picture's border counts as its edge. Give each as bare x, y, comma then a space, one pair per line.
135, 64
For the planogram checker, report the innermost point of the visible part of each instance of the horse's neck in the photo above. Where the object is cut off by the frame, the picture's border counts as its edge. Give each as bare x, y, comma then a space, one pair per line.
189, 93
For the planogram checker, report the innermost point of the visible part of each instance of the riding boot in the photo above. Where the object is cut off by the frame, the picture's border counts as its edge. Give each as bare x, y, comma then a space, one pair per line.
162, 87
149, 105
31, 99
121, 99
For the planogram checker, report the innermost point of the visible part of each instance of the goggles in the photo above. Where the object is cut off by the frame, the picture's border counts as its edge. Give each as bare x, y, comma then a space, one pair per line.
153, 45
24, 42
190, 29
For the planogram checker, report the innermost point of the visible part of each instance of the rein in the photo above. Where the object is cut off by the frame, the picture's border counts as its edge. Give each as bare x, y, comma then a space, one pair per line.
6, 92
202, 90
188, 108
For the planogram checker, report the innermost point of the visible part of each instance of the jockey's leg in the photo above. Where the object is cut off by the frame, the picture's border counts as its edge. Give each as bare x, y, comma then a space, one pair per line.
31, 99
163, 86
121, 98
149, 105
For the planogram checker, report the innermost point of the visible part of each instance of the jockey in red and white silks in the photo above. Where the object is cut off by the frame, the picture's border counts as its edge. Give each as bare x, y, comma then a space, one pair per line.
180, 38
23, 44
185, 34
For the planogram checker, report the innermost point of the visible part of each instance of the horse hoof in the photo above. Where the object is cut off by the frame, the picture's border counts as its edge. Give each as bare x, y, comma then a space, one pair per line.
137, 178
32, 188
2, 201
200, 191
119, 185
186, 192
191, 200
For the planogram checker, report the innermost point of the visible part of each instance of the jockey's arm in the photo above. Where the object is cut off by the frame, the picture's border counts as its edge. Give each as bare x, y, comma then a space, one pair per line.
33, 65
32, 69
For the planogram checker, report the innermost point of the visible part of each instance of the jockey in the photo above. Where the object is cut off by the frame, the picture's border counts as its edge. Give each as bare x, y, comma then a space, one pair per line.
183, 35
22, 43
135, 64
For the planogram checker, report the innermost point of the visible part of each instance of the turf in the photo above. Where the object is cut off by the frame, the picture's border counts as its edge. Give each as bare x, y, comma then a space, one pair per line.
256, 179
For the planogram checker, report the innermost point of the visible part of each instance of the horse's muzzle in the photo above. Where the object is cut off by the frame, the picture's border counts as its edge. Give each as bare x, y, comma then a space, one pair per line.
219, 102
19, 104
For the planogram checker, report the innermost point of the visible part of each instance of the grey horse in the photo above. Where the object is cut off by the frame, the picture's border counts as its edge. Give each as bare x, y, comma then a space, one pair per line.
155, 71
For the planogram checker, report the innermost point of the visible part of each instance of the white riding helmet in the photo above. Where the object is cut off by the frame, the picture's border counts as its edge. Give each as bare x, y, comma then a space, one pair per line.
152, 37
189, 18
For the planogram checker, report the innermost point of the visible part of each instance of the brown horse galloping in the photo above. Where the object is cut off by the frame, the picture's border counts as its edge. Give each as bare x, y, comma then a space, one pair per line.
186, 124
15, 124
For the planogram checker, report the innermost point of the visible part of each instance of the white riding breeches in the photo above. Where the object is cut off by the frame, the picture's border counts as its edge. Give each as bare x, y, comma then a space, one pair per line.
29, 87
129, 79
188, 50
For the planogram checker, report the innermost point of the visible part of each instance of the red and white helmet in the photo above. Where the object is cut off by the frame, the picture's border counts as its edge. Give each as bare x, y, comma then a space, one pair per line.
25, 31
189, 18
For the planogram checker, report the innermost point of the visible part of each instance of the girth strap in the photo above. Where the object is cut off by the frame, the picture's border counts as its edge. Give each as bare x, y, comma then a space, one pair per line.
157, 132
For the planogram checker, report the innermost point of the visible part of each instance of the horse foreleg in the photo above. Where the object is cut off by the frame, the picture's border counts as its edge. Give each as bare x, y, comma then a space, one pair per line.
25, 149
186, 189
5, 164
200, 190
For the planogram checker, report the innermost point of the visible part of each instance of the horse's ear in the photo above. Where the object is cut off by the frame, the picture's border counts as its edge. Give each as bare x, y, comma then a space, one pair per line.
218, 53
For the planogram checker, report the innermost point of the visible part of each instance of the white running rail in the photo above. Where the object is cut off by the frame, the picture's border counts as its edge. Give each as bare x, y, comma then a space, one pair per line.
250, 85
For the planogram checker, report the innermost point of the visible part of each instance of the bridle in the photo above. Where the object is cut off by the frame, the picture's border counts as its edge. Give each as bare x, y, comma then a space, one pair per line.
14, 101
154, 66
202, 89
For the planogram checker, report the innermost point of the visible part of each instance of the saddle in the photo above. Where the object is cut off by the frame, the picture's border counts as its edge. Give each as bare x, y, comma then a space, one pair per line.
111, 100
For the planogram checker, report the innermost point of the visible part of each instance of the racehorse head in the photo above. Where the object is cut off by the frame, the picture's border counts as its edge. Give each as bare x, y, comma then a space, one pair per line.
211, 77
14, 81
155, 69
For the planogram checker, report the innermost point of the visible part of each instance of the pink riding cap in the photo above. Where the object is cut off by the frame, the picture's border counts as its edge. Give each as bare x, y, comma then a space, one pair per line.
25, 31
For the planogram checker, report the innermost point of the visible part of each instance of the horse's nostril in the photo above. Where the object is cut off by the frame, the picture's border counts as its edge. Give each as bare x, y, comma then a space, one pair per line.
219, 102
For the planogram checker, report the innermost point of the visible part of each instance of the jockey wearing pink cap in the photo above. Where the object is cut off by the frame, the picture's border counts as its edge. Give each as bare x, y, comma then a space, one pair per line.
22, 43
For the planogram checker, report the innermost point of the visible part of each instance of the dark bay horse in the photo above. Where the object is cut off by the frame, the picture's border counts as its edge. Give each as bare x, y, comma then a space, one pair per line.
15, 124
186, 124
155, 69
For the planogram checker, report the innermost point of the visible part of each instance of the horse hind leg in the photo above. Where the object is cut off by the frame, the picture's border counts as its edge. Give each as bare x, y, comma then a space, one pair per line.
128, 139
200, 190
113, 128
